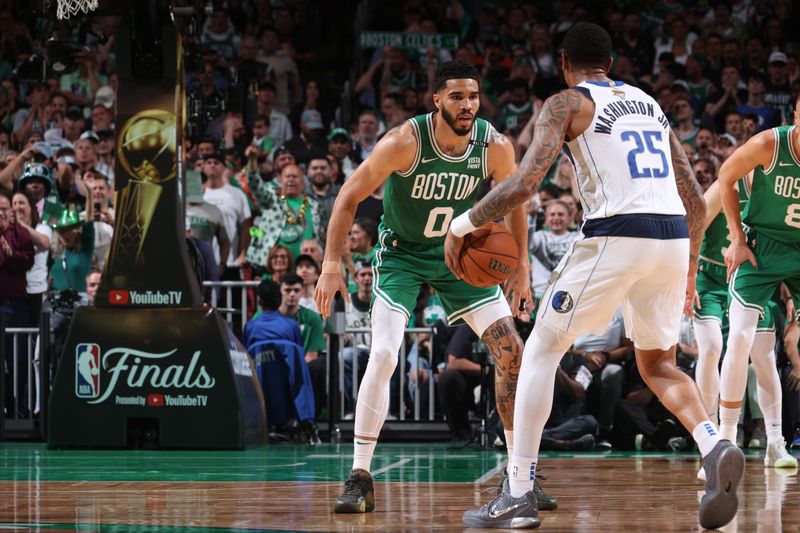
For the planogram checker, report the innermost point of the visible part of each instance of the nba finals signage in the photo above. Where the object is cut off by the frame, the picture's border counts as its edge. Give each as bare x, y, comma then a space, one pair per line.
151, 362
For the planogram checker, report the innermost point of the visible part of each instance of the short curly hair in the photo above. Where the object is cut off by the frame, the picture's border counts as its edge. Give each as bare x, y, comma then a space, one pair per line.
587, 45
454, 70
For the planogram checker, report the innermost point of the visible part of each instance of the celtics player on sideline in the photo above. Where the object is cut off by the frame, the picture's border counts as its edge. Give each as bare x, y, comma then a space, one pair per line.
433, 166
710, 316
758, 260
644, 214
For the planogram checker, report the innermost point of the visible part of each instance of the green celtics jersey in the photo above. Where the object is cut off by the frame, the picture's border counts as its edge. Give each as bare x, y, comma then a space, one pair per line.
418, 205
774, 207
716, 239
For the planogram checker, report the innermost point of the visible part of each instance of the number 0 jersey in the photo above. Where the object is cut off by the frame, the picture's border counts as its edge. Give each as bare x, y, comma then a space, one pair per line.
774, 206
419, 204
623, 160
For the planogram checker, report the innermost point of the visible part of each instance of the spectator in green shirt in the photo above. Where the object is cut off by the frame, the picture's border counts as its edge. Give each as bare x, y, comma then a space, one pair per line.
309, 321
71, 267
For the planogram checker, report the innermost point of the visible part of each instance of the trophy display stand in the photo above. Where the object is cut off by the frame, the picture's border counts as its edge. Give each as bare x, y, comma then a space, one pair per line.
150, 365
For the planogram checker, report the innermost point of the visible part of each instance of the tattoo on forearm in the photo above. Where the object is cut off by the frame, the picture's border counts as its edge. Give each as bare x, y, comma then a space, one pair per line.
502, 340
691, 194
548, 138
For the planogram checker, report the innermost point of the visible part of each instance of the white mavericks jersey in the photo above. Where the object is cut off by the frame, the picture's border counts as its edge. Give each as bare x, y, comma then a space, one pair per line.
623, 160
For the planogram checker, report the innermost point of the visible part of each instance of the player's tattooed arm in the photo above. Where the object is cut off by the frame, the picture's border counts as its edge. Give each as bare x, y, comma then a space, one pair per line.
691, 195
548, 138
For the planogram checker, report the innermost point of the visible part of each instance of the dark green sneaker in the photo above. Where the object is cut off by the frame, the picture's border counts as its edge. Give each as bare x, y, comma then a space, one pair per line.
358, 495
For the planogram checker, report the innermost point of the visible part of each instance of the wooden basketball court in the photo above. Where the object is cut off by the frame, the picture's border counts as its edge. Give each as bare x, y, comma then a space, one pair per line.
419, 487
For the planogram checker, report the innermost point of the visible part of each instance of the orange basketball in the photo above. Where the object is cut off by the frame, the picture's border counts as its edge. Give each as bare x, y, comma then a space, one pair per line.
489, 255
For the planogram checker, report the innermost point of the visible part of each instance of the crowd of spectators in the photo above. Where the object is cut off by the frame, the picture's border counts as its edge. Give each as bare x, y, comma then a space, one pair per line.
267, 174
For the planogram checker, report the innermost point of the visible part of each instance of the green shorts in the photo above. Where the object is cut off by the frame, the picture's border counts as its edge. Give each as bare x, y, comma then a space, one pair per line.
715, 298
777, 261
713, 291
400, 268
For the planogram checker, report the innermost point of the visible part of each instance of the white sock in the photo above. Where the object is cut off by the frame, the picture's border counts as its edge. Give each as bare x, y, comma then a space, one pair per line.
709, 345
774, 430
729, 420
363, 450
770, 395
706, 436
534, 401
509, 443
521, 473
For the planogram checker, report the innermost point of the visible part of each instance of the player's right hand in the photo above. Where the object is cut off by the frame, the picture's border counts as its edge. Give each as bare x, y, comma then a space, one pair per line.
327, 286
452, 254
736, 255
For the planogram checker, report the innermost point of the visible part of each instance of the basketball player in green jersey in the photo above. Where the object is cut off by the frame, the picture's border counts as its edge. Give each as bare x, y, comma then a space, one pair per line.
711, 297
433, 166
710, 321
759, 261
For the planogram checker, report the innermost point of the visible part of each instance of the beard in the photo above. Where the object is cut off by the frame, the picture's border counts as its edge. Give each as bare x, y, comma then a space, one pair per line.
451, 121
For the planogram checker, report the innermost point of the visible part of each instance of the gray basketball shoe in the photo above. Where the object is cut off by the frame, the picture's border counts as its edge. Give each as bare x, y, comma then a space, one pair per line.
724, 468
506, 512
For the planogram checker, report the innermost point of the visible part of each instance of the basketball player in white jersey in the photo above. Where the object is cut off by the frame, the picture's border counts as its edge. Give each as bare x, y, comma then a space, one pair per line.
638, 251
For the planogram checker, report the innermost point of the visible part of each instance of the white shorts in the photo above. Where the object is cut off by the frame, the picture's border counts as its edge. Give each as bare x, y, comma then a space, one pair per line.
647, 277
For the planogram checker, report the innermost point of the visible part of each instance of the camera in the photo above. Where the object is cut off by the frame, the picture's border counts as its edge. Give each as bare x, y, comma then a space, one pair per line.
64, 301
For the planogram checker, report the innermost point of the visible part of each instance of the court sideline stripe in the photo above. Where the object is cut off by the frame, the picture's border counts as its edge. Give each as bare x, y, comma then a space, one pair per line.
490, 473
391, 466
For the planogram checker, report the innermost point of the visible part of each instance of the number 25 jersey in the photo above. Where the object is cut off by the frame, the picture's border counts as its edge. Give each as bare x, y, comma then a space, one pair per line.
623, 160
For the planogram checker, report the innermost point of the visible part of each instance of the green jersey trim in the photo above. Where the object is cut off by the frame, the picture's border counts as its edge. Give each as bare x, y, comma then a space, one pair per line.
791, 146
770, 329
459, 314
775, 151
738, 297
375, 273
485, 149
417, 153
439, 152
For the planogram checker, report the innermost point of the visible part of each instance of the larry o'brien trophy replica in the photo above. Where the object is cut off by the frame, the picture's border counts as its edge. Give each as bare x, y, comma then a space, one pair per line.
146, 150
150, 365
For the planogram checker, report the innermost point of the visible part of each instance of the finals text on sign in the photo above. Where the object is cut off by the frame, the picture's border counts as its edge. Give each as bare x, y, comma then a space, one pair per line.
407, 40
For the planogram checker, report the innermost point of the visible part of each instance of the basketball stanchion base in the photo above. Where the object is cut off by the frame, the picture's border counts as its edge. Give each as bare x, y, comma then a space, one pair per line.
154, 378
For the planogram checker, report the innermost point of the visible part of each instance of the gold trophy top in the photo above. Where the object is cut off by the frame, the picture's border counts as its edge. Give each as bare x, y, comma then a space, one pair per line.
147, 146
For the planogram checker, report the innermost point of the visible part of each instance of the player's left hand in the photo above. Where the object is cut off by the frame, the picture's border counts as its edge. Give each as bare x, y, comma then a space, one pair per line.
452, 254
518, 290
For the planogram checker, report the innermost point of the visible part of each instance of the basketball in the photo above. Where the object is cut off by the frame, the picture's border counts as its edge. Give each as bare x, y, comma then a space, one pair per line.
489, 255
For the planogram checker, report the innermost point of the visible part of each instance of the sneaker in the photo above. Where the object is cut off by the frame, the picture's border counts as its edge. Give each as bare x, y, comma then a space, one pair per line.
758, 439
581, 444
724, 467
506, 512
358, 495
639, 442
544, 501
603, 446
778, 457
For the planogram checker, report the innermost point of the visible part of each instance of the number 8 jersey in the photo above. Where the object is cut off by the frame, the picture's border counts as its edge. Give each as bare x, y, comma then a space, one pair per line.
623, 160
419, 204
774, 206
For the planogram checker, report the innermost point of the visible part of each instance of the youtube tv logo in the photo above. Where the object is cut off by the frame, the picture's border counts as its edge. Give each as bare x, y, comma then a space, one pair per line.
155, 400
118, 297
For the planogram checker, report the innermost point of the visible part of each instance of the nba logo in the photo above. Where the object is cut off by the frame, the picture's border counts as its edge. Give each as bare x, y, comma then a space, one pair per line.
87, 370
